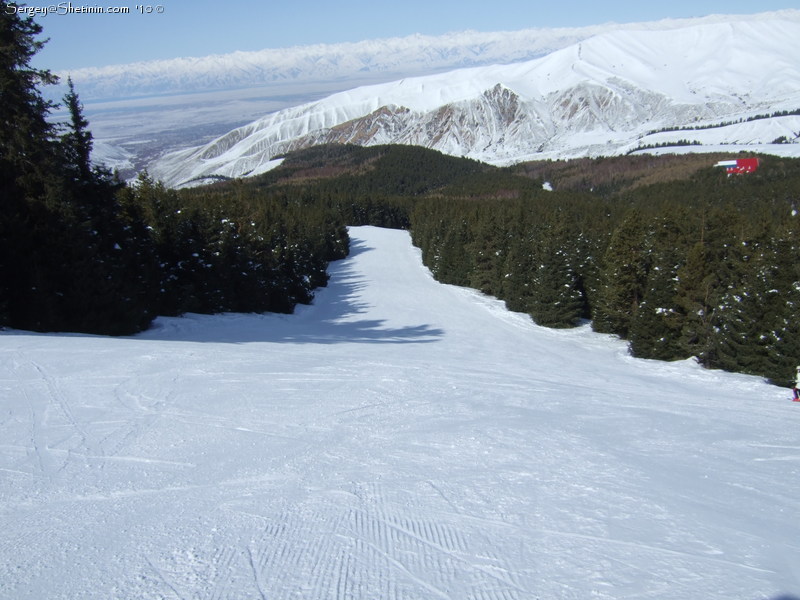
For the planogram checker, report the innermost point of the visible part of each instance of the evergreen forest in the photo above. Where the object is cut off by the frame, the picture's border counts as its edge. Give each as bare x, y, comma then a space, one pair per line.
666, 252
81, 251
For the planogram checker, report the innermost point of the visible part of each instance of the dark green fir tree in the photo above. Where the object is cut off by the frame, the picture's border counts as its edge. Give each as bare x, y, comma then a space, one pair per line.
27, 158
623, 277
654, 328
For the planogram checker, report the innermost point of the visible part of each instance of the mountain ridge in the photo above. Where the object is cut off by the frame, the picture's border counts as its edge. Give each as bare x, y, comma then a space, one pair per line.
599, 96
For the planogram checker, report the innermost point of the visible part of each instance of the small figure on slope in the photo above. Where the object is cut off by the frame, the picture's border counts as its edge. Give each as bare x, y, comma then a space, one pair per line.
796, 389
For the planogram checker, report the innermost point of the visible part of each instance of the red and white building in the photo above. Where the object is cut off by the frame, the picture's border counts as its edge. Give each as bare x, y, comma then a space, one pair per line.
739, 166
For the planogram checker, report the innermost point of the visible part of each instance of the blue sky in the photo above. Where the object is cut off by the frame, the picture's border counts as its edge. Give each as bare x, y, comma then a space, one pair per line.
174, 28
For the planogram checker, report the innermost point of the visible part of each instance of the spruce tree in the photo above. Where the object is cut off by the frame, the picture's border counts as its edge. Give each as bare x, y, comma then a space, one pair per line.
557, 298
108, 284
65, 244
487, 249
26, 137
740, 314
654, 328
27, 161
782, 306
696, 297
76, 143
453, 264
519, 265
623, 277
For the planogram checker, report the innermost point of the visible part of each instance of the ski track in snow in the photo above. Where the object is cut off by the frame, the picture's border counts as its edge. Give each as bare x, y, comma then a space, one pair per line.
398, 439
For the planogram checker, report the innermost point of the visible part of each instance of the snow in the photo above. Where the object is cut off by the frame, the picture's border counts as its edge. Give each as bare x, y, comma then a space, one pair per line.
373, 59
142, 111
749, 134
599, 96
399, 438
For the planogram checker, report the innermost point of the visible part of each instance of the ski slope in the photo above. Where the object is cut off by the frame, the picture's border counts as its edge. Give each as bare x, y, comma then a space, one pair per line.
398, 439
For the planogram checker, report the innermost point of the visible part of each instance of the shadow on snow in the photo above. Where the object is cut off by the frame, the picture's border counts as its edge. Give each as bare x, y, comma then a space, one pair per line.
331, 319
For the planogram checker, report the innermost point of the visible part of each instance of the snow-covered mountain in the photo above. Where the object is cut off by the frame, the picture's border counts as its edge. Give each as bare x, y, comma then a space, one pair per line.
602, 95
369, 61
399, 439
143, 110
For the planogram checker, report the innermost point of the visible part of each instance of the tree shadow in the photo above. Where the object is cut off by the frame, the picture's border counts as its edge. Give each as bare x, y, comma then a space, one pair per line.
356, 247
331, 319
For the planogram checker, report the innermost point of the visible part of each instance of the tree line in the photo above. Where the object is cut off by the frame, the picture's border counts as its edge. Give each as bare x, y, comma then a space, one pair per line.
759, 117
82, 251
668, 253
708, 267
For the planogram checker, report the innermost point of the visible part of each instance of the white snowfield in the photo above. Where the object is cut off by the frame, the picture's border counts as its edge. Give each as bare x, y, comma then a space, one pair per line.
398, 439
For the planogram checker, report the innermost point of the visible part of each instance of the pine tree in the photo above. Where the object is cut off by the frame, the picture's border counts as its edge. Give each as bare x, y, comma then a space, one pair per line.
520, 264
487, 249
623, 277
108, 284
782, 306
654, 328
453, 263
697, 294
740, 314
26, 137
76, 143
27, 161
557, 298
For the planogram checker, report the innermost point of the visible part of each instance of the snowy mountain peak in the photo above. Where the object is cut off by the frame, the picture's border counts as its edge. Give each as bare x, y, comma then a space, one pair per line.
602, 95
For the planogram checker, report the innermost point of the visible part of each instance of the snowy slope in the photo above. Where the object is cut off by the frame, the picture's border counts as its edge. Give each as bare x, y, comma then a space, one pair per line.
599, 96
399, 439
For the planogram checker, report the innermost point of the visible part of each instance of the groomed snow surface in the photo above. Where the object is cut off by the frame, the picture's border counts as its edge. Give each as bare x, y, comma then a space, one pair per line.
398, 439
